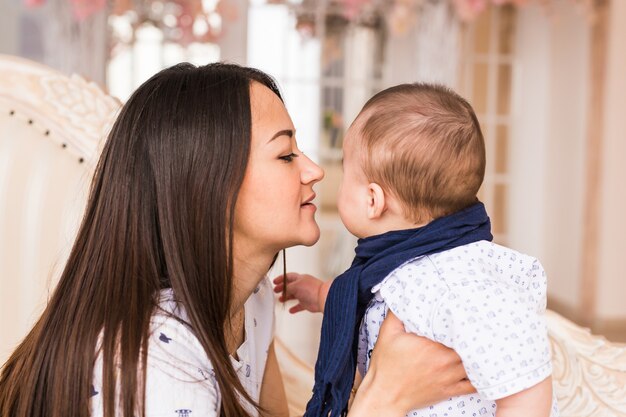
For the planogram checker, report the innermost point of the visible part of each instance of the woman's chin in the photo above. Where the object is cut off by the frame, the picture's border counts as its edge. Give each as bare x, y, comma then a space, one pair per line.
310, 241
310, 238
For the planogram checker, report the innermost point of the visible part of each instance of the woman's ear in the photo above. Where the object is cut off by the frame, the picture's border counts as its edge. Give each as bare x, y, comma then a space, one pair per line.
376, 204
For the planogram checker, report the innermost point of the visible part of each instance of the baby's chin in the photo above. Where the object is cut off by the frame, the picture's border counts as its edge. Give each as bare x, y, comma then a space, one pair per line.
359, 233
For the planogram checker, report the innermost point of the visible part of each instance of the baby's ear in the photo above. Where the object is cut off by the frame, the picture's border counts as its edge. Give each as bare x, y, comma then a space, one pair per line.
376, 204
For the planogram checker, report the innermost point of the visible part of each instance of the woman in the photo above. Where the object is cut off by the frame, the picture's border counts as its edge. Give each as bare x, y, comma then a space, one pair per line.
163, 308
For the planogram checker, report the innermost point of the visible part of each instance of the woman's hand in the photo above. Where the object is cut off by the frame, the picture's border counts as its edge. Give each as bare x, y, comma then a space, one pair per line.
407, 372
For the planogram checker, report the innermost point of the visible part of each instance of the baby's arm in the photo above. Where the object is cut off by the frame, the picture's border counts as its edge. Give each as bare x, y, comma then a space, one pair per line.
310, 292
535, 401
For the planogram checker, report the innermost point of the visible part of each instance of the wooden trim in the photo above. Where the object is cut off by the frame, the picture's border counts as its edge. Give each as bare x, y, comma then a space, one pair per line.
593, 180
612, 329
569, 312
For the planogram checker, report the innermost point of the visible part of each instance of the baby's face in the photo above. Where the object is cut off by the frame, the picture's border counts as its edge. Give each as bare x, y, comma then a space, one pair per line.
353, 191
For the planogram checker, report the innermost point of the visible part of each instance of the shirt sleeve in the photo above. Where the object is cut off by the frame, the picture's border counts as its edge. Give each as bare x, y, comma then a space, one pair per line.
412, 295
499, 332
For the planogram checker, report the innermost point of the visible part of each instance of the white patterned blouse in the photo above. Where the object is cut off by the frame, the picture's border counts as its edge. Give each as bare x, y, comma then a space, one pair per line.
180, 380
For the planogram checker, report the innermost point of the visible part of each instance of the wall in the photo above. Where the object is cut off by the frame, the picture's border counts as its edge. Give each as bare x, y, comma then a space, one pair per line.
49, 34
550, 166
9, 22
612, 247
547, 150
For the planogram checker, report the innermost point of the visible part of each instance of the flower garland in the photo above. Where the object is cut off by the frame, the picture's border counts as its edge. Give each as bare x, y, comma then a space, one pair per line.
401, 15
181, 21
192, 21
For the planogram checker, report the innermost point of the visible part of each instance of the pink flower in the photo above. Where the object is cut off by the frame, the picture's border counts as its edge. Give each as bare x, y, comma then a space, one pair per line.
121, 6
34, 3
514, 2
469, 9
401, 18
352, 8
85, 8
228, 10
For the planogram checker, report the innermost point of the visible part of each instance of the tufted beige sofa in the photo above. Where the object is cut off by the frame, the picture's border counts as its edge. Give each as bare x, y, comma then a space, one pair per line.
51, 130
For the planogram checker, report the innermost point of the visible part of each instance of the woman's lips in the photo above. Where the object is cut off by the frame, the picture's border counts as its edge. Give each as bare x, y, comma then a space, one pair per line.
308, 206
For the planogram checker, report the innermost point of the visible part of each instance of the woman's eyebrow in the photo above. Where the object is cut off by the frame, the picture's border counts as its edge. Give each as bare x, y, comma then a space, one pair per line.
286, 132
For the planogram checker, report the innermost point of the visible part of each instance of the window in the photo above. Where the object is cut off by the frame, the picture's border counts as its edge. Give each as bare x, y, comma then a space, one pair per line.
156, 35
487, 83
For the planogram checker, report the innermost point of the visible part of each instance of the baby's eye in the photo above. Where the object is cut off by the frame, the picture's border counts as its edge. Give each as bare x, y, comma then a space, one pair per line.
288, 158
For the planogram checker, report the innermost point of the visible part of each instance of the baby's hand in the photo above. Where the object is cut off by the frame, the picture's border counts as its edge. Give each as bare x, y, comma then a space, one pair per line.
308, 290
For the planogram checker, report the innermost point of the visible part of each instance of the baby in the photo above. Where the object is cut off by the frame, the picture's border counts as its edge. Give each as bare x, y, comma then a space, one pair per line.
413, 162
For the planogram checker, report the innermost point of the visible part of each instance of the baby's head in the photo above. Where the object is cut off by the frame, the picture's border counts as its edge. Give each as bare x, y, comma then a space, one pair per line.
415, 153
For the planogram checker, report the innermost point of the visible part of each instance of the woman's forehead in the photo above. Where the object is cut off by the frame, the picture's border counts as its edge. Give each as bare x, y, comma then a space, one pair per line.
262, 99
268, 111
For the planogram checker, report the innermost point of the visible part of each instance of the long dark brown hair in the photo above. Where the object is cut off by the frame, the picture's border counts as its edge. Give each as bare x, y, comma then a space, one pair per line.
160, 214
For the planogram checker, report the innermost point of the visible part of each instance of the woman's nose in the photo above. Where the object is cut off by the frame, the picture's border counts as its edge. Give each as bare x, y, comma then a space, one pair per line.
311, 172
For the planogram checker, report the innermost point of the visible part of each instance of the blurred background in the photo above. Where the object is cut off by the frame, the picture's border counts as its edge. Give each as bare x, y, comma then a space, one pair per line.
547, 79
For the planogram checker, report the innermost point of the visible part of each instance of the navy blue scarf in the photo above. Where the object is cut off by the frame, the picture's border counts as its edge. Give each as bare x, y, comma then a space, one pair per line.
350, 294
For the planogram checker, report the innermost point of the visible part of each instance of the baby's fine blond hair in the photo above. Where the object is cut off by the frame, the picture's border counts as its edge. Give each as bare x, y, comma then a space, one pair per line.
422, 143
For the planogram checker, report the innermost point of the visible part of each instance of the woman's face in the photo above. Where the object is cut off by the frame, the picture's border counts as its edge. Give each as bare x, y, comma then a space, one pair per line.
274, 209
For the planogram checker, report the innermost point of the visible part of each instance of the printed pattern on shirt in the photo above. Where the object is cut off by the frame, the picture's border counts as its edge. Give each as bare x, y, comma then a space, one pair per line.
180, 380
482, 300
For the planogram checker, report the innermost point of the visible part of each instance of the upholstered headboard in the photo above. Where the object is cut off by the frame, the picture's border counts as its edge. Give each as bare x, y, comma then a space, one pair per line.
51, 128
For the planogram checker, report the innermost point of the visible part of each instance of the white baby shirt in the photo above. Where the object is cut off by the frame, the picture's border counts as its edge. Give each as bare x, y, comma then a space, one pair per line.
484, 301
180, 380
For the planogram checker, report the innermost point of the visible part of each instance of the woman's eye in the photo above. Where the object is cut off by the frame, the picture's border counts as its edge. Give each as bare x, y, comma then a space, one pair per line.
288, 158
